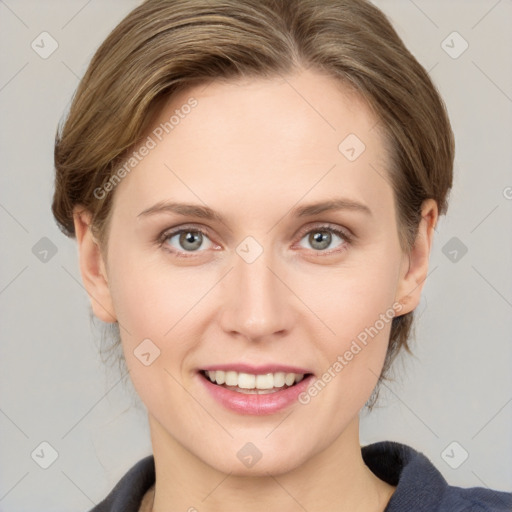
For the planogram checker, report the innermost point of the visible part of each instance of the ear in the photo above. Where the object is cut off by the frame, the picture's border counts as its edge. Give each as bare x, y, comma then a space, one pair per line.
414, 267
92, 267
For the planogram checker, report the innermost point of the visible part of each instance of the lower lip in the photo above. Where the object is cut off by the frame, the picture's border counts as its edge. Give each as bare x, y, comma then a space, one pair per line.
256, 404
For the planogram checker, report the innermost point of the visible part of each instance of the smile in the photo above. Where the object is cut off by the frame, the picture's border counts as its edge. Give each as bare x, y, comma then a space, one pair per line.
248, 383
255, 393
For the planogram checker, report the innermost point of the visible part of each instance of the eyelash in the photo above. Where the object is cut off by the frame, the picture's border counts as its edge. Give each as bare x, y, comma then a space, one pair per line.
166, 235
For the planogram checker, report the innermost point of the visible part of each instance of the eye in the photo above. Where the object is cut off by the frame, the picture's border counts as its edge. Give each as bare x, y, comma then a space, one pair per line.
185, 240
321, 237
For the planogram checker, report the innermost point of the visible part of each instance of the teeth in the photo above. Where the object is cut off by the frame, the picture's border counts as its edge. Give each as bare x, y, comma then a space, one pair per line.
289, 379
264, 381
251, 381
231, 378
279, 379
246, 381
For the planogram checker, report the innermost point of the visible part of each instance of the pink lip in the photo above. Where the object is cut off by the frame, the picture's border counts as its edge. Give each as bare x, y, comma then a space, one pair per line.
255, 404
257, 370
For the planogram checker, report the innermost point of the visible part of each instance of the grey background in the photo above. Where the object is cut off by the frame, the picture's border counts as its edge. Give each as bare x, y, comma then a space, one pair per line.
54, 386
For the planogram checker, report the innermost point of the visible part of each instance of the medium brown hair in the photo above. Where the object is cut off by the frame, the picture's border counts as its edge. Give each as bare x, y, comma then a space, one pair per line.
165, 46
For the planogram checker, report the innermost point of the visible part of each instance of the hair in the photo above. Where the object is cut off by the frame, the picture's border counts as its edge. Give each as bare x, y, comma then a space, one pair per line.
166, 46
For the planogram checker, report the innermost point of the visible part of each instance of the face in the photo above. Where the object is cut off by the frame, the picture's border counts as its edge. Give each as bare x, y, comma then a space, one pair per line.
265, 285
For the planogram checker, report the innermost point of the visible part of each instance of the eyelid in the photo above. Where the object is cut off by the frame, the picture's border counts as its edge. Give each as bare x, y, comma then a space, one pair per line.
184, 227
327, 226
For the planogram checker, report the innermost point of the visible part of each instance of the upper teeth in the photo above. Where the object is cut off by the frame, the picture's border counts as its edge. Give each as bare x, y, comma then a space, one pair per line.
251, 381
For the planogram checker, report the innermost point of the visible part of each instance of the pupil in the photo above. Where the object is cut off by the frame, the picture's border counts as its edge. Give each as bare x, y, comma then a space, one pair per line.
191, 237
321, 237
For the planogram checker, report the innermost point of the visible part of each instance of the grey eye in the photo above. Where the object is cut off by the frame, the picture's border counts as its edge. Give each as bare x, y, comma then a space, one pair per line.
321, 238
188, 240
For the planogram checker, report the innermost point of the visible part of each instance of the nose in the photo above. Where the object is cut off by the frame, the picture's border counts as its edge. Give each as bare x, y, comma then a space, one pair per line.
257, 303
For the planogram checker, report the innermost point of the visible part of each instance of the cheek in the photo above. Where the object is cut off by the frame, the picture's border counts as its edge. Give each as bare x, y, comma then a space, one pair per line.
356, 306
150, 296
161, 312
353, 298
156, 340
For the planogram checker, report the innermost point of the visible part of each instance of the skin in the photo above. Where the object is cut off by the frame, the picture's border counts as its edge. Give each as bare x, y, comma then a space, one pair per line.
253, 150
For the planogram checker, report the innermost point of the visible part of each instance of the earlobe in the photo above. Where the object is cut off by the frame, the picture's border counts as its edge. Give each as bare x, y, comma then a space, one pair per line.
414, 269
92, 267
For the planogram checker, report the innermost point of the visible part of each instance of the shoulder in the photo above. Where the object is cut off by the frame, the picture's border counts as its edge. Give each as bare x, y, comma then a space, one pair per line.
419, 485
422, 488
476, 499
129, 492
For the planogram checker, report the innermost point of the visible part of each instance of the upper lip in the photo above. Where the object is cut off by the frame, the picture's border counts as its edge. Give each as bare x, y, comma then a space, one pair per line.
256, 370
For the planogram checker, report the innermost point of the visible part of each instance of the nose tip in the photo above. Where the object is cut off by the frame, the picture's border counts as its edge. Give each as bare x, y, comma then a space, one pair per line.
257, 303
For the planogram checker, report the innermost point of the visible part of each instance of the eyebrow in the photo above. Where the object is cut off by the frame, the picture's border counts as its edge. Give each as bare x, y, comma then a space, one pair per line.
204, 212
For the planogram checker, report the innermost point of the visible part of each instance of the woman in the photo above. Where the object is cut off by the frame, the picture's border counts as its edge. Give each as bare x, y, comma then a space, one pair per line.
254, 187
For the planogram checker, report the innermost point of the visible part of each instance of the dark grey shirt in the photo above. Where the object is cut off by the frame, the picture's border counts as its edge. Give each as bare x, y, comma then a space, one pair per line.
420, 487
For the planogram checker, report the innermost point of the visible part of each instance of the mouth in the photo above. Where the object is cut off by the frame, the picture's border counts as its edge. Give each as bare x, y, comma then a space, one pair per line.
253, 384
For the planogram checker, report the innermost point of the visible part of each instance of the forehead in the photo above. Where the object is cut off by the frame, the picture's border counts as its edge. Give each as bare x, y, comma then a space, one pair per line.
255, 141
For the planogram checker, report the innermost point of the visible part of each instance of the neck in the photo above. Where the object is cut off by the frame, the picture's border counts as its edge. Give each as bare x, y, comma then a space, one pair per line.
334, 479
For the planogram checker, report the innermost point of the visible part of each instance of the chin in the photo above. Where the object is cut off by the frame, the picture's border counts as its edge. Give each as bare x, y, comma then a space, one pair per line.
251, 461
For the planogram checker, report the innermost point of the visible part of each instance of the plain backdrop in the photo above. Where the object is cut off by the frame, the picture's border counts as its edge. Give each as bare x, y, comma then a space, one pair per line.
452, 400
